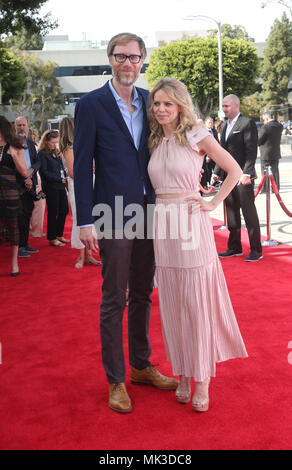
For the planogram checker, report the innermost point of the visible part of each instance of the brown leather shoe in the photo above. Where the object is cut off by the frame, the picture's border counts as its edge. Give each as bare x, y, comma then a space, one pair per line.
119, 399
151, 376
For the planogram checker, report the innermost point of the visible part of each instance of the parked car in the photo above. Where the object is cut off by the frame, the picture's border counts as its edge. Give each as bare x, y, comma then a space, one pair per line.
289, 123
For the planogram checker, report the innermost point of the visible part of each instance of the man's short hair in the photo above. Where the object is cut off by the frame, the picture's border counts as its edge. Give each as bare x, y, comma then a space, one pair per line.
268, 115
124, 38
233, 98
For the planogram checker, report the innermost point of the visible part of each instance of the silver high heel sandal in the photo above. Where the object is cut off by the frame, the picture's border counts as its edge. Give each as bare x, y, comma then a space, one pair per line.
200, 401
183, 391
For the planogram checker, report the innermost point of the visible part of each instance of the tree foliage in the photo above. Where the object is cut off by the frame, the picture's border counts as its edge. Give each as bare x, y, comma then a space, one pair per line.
15, 14
232, 32
252, 106
195, 62
24, 40
277, 64
42, 98
11, 76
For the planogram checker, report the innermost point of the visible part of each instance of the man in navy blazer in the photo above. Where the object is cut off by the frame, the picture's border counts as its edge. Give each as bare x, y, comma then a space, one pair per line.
110, 138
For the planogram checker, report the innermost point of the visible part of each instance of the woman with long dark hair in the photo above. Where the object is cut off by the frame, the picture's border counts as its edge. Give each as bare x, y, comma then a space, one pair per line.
53, 177
11, 162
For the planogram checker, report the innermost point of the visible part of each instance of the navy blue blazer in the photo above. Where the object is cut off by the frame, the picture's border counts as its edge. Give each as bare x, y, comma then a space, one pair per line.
102, 140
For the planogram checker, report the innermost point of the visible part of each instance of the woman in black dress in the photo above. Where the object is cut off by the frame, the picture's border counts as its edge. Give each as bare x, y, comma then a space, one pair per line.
11, 162
53, 177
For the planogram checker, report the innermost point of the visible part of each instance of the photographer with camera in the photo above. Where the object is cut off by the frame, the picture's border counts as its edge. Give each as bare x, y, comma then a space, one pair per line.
28, 187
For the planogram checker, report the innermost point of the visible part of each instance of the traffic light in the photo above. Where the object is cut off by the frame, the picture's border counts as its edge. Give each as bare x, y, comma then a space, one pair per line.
66, 100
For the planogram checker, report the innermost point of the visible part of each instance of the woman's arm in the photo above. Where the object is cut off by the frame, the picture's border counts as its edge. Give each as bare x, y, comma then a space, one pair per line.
221, 157
69, 160
19, 160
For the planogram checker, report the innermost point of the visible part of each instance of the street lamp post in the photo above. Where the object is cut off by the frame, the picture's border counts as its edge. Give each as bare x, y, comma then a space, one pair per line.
220, 67
285, 3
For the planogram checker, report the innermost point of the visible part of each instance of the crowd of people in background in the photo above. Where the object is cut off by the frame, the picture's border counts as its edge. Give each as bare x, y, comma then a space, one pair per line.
36, 178
48, 180
115, 147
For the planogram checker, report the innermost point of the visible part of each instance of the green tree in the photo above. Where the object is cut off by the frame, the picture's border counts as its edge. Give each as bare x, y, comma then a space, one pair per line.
231, 32
11, 76
252, 106
24, 40
195, 62
15, 14
277, 64
42, 98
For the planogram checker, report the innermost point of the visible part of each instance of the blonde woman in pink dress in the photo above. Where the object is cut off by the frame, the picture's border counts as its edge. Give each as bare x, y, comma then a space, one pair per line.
198, 321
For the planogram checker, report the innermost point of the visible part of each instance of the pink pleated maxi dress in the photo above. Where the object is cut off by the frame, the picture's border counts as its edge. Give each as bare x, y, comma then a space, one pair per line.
198, 322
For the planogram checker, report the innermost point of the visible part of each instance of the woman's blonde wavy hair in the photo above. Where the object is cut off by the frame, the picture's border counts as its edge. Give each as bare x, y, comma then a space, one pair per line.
177, 91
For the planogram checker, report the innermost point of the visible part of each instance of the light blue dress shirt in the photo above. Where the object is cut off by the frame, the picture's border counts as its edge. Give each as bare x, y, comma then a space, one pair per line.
26, 155
135, 121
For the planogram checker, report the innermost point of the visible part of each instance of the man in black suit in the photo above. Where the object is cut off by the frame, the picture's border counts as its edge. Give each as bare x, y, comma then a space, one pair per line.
269, 142
28, 187
239, 137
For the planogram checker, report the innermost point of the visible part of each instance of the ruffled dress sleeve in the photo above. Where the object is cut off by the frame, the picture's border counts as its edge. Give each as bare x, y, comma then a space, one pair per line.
195, 135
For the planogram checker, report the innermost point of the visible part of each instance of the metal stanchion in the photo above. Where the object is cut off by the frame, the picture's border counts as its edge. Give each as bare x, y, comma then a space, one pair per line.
269, 242
224, 226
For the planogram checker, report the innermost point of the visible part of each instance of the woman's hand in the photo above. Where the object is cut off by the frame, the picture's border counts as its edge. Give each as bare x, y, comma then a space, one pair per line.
28, 183
205, 206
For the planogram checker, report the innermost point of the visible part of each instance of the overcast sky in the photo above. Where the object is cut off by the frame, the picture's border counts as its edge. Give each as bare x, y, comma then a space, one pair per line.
102, 19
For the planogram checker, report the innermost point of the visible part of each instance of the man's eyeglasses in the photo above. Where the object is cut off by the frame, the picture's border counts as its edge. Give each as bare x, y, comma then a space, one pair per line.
133, 58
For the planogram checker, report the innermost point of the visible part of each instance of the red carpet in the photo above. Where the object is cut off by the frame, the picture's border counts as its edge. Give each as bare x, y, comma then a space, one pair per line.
54, 390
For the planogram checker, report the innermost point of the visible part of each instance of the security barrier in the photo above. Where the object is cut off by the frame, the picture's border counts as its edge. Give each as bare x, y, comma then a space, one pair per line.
269, 181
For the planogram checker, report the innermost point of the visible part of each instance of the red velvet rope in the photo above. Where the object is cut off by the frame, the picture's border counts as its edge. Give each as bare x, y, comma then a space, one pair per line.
206, 191
262, 182
276, 191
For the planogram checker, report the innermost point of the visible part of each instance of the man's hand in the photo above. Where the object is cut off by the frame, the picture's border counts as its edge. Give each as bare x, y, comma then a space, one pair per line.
87, 238
245, 180
214, 178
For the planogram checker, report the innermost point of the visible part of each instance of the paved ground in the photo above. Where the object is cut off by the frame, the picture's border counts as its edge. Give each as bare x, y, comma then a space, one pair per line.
281, 223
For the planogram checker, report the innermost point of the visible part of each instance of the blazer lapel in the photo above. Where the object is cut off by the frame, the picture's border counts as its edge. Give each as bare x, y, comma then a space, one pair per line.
236, 127
113, 110
223, 132
145, 128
